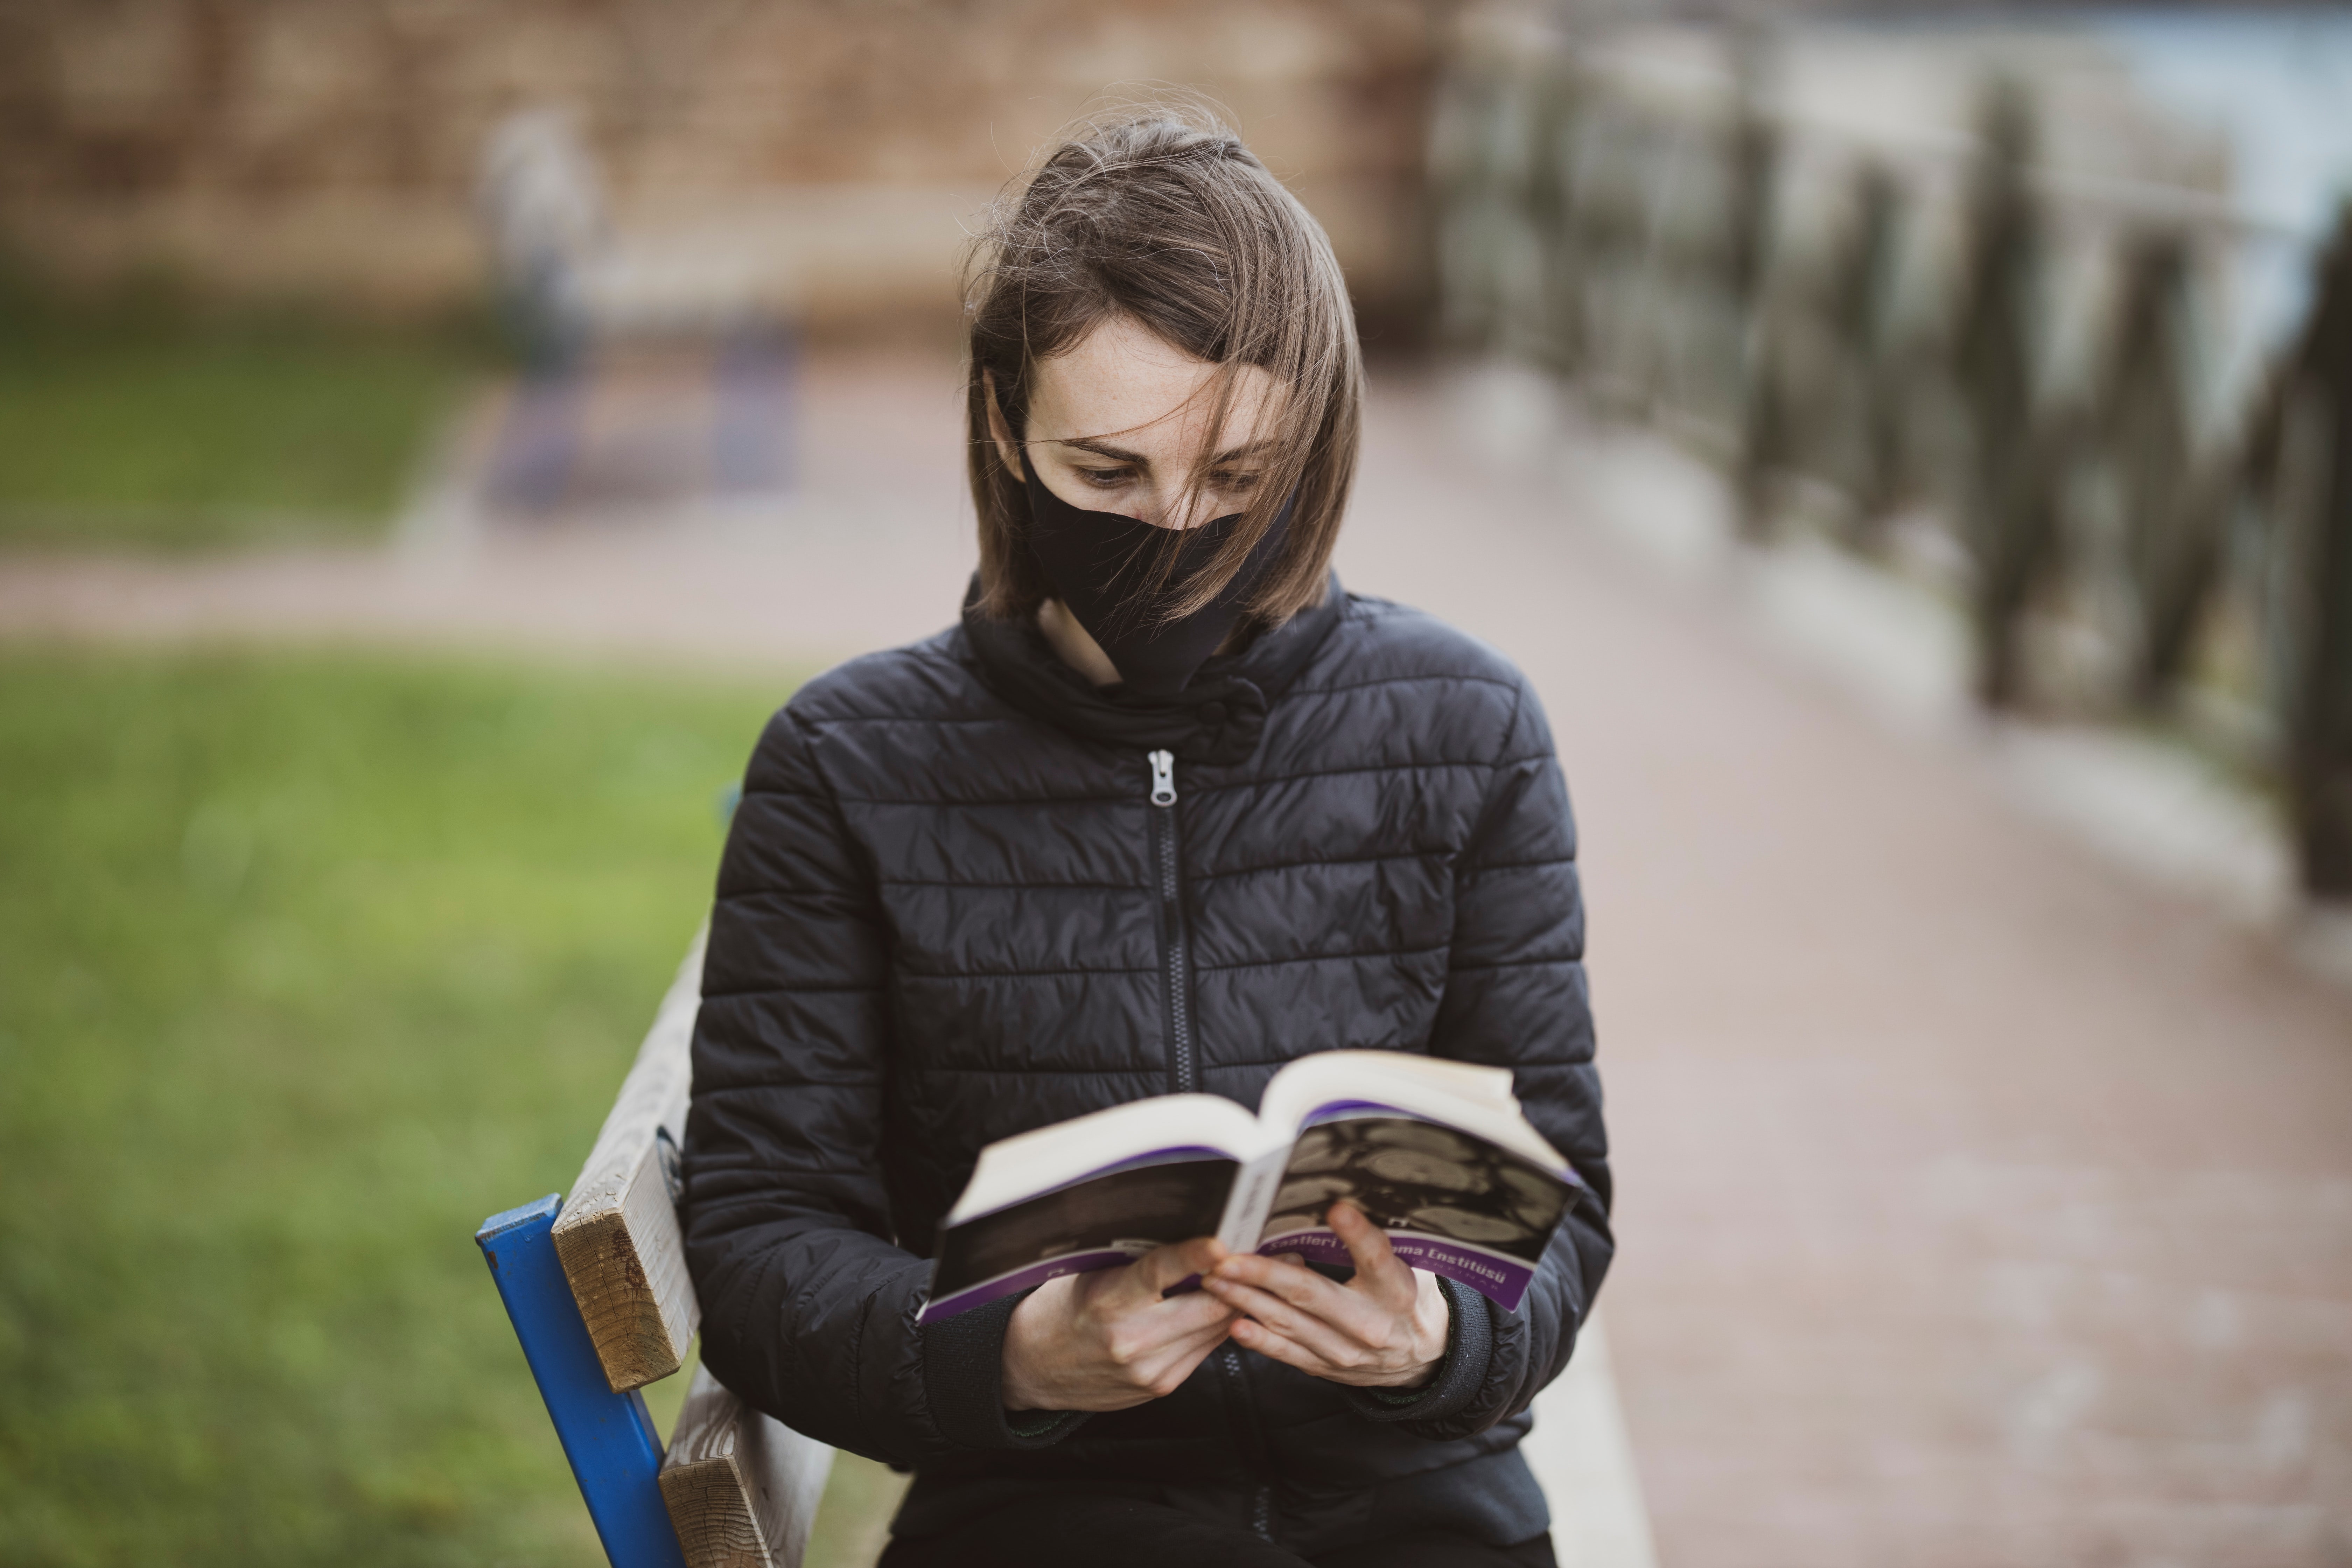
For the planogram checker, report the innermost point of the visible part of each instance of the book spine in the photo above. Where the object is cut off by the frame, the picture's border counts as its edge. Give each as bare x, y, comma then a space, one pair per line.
1252, 1200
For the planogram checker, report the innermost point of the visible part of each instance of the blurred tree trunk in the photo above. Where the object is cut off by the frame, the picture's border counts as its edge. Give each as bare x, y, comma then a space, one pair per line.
2320, 726
2015, 457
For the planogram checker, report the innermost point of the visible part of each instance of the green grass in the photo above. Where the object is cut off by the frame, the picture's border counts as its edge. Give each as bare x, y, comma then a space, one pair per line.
141, 420
307, 964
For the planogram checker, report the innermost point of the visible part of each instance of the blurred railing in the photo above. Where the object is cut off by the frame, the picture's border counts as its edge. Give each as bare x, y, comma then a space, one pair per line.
2034, 390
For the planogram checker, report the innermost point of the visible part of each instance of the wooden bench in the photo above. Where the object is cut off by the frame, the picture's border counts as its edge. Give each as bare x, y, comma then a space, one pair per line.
598, 1292
597, 1289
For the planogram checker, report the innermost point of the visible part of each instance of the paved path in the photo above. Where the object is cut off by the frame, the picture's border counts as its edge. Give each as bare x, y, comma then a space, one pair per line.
1980, 1204
1979, 1207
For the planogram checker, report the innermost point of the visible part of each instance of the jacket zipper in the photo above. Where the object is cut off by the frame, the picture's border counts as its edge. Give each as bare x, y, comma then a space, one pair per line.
1241, 1409
1184, 1078
1183, 1075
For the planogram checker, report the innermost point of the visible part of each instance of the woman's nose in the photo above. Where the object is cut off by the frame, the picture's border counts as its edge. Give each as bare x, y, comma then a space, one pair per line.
1179, 510
1155, 509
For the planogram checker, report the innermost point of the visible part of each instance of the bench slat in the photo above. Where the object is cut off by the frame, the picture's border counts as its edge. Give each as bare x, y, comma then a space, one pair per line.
617, 1236
741, 1488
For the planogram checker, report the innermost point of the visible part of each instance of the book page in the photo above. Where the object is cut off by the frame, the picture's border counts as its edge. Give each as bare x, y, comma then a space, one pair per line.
1013, 1170
1450, 1201
1102, 1222
1465, 1095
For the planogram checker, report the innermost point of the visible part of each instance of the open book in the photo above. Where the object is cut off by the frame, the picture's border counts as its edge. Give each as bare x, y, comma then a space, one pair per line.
1436, 1153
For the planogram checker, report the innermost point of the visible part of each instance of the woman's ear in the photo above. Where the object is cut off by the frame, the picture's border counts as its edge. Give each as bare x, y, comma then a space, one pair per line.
999, 430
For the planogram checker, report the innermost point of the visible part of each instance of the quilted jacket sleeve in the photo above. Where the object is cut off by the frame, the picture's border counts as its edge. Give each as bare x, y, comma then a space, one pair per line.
808, 1307
1515, 998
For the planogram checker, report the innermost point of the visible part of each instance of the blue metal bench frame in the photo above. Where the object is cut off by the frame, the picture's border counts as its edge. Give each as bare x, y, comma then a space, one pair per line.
615, 1454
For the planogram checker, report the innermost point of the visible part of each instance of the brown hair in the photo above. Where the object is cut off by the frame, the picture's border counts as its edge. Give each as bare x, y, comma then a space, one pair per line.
1163, 215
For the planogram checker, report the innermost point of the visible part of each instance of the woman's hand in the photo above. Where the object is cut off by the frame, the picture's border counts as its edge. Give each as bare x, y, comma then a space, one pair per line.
1108, 1340
1384, 1329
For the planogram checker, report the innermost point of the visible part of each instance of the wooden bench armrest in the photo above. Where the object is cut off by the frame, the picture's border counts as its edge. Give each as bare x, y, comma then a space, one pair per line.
738, 1488
742, 1488
617, 1236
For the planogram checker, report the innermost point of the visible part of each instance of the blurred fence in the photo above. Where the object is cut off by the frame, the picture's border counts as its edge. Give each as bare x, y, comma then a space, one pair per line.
2039, 390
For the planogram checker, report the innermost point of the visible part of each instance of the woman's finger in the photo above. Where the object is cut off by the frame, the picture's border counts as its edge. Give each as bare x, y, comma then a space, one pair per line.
1185, 1354
1177, 1317
1275, 1347
1352, 1312
1380, 1272
1329, 1340
1150, 1275
1301, 1286
1164, 1372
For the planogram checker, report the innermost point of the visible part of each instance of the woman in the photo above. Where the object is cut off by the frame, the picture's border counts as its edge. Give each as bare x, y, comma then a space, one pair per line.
1168, 809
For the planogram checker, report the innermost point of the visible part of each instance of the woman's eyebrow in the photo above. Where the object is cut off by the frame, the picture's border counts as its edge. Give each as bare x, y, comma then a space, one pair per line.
1104, 449
1121, 455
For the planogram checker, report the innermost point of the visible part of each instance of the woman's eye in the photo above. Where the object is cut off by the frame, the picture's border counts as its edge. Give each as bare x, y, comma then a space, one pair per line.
1106, 478
1225, 481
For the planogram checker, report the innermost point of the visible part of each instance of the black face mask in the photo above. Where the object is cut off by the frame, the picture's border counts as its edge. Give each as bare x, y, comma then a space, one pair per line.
1097, 563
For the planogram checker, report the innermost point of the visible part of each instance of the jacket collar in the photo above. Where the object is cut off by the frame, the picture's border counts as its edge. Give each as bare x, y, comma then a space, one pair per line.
1216, 719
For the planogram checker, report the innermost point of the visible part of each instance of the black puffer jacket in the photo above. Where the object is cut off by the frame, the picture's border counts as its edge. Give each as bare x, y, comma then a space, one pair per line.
949, 912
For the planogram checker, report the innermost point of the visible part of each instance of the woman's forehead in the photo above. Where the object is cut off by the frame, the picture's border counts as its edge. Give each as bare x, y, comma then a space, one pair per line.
1121, 379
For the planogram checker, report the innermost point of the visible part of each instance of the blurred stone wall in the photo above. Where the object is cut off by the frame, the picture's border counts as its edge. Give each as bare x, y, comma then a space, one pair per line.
326, 147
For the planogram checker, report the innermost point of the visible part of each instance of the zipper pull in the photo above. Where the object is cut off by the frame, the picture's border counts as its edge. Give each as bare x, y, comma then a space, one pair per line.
1163, 778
